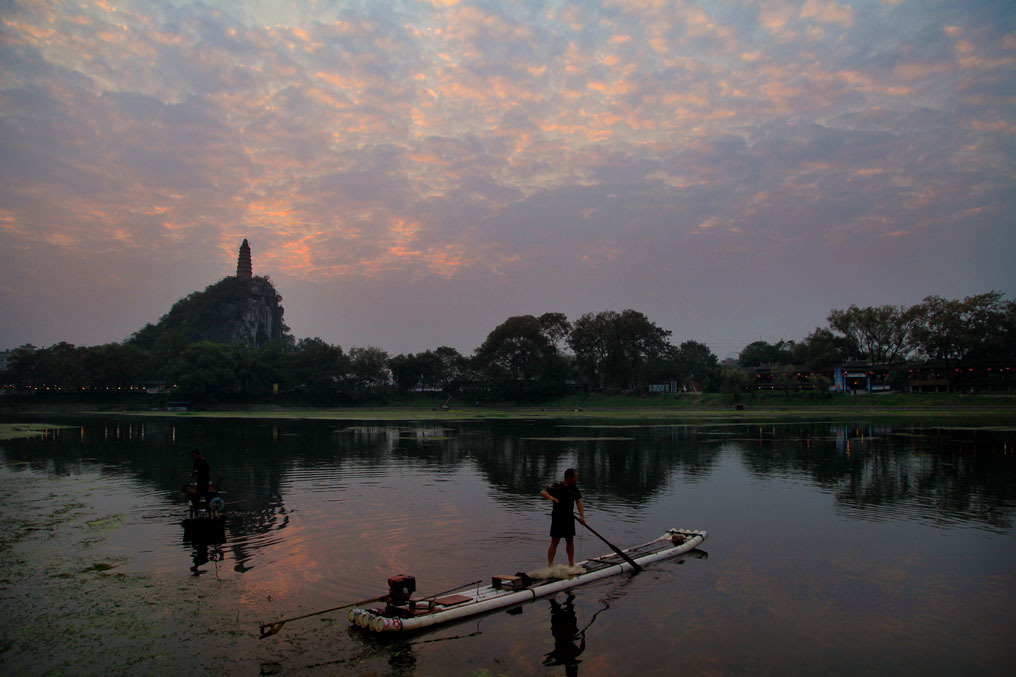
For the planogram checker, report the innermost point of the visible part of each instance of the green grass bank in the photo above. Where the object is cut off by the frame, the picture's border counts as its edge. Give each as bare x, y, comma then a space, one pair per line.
637, 407
426, 407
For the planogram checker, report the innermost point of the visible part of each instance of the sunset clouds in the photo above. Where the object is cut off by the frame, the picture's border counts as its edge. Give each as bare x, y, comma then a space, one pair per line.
412, 173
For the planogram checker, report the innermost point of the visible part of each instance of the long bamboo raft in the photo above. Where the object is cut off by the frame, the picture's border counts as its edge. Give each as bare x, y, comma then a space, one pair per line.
402, 613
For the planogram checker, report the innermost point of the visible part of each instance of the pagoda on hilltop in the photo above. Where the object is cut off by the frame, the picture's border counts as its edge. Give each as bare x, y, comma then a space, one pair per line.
244, 269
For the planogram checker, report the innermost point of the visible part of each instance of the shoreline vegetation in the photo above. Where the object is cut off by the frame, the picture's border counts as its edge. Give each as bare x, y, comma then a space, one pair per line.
578, 406
12, 431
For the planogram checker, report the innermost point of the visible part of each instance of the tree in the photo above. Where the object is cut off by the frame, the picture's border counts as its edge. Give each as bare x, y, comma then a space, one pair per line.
273, 361
25, 368
61, 365
791, 352
975, 327
783, 352
735, 382
1001, 342
555, 327
786, 378
421, 370
518, 351
882, 334
696, 361
640, 340
431, 367
821, 384
114, 365
614, 349
317, 366
452, 367
368, 368
823, 349
757, 353
589, 340
168, 346
405, 371
205, 369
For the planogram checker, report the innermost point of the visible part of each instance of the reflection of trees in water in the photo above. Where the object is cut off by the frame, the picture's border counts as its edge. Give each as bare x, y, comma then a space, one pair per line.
259, 455
255, 459
631, 470
961, 474
966, 474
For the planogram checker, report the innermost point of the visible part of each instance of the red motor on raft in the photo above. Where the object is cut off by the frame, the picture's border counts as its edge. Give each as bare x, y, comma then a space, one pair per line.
400, 589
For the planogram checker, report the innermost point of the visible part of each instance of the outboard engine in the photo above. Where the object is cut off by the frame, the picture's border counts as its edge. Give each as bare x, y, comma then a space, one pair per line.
400, 589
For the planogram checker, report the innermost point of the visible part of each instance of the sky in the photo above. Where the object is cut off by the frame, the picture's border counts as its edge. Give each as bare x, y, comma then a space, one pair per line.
412, 174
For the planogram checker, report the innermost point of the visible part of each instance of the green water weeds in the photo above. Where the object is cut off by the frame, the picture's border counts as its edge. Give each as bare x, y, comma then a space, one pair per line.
13, 431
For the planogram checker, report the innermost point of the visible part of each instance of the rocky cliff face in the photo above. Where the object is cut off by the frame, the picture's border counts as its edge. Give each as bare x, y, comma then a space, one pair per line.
253, 316
230, 311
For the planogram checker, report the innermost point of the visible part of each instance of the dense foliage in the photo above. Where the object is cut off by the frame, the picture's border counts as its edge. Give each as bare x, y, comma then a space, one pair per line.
979, 327
525, 357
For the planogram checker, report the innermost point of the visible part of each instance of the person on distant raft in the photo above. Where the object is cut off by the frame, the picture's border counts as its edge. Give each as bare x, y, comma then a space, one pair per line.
200, 473
564, 495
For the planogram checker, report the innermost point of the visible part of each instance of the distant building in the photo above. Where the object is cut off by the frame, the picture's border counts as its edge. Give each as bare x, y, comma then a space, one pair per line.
860, 376
244, 268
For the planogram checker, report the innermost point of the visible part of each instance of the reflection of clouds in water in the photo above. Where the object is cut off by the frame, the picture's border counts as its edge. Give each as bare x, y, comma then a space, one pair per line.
328, 518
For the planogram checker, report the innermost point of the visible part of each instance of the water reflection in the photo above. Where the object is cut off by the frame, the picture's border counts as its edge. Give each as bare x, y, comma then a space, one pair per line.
569, 643
830, 532
879, 471
201, 534
616, 471
873, 470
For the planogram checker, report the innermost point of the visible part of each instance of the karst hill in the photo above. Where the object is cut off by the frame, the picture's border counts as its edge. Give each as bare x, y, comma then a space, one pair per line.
241, 309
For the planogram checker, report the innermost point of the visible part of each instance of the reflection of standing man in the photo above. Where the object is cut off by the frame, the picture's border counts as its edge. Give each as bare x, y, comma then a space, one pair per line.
565, 628
565, 495
200, 473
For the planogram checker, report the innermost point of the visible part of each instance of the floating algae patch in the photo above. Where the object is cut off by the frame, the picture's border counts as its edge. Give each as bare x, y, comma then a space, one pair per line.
108, 523
426, 433
607, 426
580, 439
99, 566
13, 431
985, 428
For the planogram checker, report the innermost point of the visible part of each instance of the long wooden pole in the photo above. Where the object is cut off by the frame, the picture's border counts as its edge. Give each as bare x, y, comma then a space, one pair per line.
269, 629
634, 565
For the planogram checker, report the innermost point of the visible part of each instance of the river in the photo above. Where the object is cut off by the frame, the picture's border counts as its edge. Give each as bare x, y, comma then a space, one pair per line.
836, 546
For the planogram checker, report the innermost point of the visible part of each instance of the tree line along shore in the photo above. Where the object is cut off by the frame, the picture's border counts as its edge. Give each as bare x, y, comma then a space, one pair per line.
966, 346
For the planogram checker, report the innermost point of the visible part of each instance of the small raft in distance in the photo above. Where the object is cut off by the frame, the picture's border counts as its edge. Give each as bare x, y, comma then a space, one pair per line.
206, 518
403, 613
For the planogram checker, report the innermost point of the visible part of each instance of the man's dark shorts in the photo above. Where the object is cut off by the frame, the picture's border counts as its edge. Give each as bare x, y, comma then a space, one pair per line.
562, 525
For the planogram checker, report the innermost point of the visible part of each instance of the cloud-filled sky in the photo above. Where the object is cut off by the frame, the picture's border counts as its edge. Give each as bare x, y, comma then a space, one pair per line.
411, 174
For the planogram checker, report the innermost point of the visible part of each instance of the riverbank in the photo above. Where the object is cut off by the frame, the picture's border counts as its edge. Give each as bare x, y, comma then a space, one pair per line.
706, 406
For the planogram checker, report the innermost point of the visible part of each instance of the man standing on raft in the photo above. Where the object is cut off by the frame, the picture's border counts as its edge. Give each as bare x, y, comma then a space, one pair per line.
562, 522
201, 474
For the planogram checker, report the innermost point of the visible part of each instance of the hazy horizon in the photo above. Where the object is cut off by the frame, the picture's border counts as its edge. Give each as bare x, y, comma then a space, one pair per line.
411, 174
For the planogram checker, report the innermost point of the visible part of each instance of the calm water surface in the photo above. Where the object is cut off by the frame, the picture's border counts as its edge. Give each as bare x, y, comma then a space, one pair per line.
835, 547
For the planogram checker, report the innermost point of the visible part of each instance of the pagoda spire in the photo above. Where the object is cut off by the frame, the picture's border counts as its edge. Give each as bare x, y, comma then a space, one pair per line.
244, 269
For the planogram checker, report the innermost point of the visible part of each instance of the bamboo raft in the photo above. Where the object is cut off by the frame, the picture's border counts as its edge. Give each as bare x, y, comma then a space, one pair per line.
402, 613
